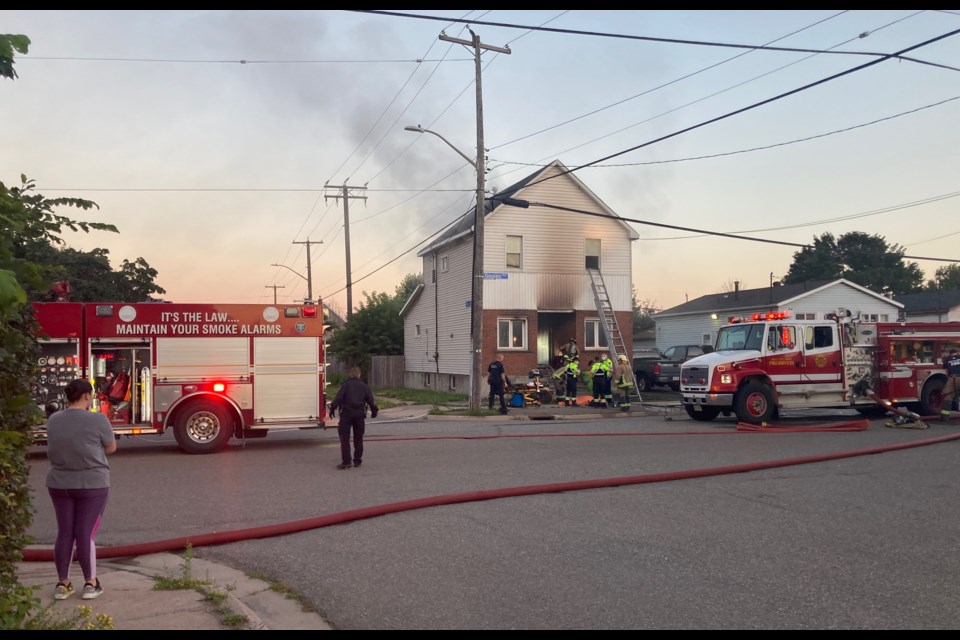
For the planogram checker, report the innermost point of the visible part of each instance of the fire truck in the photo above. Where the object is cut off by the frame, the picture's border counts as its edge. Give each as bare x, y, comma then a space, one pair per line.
770, 361
209, 372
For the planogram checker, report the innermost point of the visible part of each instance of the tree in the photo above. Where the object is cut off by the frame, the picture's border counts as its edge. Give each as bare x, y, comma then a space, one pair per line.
10, 44
407, 286
861, 258
946, 278
642, 312
376, 328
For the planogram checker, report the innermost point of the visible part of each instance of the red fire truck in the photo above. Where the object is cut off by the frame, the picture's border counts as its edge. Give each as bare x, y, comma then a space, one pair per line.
208, 371
770, 361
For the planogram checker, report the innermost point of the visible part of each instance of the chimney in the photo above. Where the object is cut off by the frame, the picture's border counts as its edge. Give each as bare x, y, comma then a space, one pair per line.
736, 289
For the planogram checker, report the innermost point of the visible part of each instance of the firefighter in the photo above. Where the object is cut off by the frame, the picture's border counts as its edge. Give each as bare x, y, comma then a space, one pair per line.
623, 374
599, 374
570, 351
952, 389
607, 363
571, 374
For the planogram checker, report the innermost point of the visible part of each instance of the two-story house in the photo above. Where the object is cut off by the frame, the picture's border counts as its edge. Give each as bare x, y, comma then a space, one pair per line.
538, 291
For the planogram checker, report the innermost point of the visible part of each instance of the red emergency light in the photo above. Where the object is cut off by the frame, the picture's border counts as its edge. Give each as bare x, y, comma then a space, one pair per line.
309, 312
773, 315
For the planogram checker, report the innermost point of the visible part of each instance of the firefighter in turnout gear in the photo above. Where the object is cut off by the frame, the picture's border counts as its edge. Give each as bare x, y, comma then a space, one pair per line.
623, 374
952, 389
607, 363
599, 373
569, 374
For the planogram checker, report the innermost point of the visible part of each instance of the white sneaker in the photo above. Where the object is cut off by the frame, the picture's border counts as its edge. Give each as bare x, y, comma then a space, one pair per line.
91, 591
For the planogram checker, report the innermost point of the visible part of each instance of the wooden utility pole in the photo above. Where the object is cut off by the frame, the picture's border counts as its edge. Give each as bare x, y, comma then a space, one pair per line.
476, 298
344, 192
274, 287
309, 277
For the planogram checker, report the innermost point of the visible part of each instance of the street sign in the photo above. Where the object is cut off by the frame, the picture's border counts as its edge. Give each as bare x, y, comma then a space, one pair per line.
491, 275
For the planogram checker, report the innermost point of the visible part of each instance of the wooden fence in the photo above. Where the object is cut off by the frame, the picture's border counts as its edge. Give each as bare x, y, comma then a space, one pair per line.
386, 372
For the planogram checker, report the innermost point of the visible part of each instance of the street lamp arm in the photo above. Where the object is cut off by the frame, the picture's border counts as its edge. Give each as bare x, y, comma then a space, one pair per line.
289, 269
419, 129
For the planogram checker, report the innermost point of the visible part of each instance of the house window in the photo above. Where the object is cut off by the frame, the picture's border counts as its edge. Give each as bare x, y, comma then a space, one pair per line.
806, 316
453, 382
426, 379
874, 317
594, 338
591, 248
418, 331
511, 333
514, 252
705, 339
444, 264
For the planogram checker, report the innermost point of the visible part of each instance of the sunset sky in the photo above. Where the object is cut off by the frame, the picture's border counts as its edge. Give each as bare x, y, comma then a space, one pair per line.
207, 137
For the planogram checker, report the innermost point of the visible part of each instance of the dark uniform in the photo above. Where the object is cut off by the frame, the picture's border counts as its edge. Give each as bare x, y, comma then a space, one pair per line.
352, 400
497, 378
952, 389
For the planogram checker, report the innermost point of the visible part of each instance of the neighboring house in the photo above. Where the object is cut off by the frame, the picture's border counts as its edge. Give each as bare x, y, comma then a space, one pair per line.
645, 340
697, 321
537, 293
931, 306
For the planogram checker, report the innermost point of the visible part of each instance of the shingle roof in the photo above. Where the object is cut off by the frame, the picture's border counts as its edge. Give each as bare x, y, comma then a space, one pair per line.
929, 301
752, 298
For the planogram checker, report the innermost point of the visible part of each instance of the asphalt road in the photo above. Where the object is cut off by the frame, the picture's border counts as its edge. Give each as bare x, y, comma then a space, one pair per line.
865, 542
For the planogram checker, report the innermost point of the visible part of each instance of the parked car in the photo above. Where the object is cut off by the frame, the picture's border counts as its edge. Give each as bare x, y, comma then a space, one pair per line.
664, 368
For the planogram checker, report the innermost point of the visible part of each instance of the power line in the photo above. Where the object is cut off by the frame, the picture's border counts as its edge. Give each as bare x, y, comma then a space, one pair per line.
737, 111
706, 232
751, 149
702, 43
240, 61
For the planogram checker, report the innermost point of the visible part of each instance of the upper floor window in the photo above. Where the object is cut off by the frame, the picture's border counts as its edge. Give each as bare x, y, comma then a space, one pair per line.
591, 248
515, 252
444, 264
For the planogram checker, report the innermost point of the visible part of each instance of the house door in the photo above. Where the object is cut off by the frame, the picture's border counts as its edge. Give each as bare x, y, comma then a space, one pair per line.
553, 331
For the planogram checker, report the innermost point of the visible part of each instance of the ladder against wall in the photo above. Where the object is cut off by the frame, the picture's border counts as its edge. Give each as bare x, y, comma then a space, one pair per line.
608, 322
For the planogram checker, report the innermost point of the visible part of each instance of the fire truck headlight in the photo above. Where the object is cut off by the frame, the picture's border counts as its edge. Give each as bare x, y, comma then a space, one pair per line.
219, 387
726, 378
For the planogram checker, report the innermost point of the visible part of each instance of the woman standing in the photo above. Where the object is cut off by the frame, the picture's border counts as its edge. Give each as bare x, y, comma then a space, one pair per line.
78, 442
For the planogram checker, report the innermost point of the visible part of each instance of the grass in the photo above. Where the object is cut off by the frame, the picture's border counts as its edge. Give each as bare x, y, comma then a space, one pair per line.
210, 593
421, 396
285, 591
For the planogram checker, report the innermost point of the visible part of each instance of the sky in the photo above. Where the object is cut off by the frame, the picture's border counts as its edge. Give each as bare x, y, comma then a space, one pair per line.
213, 140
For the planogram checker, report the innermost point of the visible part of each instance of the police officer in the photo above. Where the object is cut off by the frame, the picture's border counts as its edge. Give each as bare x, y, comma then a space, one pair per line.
952, 389
352, 400
497, 378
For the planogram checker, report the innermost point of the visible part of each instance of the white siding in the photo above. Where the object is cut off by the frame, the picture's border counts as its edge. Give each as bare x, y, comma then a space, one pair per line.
847, 297
442, 314
553, 274
952, 316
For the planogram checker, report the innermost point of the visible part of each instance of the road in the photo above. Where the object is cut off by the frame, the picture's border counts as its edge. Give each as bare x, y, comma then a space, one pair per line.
864, 542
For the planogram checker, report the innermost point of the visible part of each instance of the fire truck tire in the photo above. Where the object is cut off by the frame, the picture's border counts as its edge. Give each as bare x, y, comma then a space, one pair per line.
754, 403
203, 427
931, 398
706, 414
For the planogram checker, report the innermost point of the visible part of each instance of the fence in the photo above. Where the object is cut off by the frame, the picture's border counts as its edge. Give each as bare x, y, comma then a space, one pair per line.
386, 372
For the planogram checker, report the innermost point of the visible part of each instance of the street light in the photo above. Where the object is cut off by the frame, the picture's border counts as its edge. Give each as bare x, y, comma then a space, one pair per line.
476, 282
309, 299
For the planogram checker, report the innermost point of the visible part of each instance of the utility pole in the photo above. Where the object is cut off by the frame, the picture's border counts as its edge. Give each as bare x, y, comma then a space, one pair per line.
274, 287
309, 269
476, 297
346, 195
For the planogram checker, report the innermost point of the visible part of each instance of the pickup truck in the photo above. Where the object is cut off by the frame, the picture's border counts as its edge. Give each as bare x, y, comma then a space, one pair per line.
664, 370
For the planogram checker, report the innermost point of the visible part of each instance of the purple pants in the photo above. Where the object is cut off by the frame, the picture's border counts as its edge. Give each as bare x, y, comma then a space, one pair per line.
78, 518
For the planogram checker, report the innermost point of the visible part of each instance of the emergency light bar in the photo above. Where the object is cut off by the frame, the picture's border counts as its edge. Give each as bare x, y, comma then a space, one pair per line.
759, 317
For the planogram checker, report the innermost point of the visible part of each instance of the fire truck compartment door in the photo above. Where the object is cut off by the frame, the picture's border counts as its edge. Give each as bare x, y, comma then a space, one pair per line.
286, 378
202, 358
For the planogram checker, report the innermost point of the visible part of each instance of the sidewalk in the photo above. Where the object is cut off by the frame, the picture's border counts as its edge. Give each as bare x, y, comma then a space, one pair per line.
133, 603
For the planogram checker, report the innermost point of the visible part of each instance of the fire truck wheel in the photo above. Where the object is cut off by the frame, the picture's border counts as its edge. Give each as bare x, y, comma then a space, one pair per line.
203, 427
754, 403
705, 414
931, 398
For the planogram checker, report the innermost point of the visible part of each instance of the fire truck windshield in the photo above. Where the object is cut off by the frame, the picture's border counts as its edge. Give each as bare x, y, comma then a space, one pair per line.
740, 337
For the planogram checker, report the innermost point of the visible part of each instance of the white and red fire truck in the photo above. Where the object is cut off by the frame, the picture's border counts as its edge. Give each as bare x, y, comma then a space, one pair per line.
771, 361
208, 371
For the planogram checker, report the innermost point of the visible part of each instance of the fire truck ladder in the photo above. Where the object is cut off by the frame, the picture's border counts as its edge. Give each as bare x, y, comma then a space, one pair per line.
608, 321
